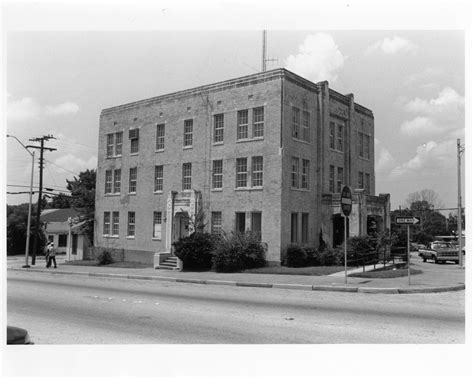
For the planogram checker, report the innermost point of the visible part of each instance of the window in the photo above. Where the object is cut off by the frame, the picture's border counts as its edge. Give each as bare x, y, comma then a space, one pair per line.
294, 228
217, 174
295, 172
241, 172
332, 135
296, 122
216, 222
340, 140
258, 122
331, 179
160, 137
257, 171
305, 126
364, 145
108, 181
158, 178
187, 175
367, 183
115, 223
304, 227
256, 224
305, 174
340, 178
360, 182
117, 180
361, 145
133, 135
240, 222
188, 133
110, 145
132, 184
242, 124
118, 143
114, 144
157, 225
219, 128
367, 146
131, 224
106, 228
62, 240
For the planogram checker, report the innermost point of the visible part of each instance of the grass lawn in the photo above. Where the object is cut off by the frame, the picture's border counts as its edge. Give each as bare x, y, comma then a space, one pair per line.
314, 270
115, 264
386, 273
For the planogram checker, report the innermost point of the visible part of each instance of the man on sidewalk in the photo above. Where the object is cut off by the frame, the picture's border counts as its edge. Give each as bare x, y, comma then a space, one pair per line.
51, 254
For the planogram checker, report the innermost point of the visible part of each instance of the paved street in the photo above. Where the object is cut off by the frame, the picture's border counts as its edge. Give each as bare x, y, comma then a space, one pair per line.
68, 309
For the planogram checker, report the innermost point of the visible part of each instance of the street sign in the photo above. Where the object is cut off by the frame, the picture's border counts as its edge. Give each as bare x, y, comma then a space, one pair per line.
407, 220
346, 201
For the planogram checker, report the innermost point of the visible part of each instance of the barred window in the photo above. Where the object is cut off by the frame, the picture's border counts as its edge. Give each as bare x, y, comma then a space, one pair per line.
331, 179
241, 172
367, 146
216, 222
332, 135
219, 127
158, 178
160, 137
187, 176
131, 224
117, 180
257, 171
188, 132
340, 138
110, 145
132, 185
295, 172
361, 146
217, 174
296, 122
115, 223
157, 225
258, 122
106, 229
340, 178
305, 174
305, 126
108, 181
242, 124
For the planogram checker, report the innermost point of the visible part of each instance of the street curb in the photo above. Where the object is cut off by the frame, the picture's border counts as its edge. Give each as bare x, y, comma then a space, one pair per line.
305, 287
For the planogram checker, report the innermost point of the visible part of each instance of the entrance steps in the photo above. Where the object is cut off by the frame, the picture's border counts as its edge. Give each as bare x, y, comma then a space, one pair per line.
167, 261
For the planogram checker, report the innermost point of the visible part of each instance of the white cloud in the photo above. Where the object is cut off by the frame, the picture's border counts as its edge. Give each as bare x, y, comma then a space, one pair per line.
392, 46
319, 58
23, 110
430, 159
383, 159
61, 109
74, 164
427, 75
438, 115
28, 109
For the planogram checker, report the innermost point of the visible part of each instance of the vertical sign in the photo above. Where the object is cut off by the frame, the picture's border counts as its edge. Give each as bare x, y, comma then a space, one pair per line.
346, 207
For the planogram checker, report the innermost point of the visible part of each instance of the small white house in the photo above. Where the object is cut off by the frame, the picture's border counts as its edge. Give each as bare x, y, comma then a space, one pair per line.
61, 226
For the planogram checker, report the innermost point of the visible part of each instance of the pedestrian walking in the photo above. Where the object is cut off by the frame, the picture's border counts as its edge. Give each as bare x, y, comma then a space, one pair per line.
47, 250
51, 255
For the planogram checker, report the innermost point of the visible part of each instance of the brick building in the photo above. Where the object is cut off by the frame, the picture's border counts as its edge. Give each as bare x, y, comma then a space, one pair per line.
267, 152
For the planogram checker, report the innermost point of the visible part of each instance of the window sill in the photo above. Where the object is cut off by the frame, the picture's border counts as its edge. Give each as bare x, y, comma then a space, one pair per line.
133, 154
260, 188
216, 190
218, 143
110, 236
364, 159
300, 189
187, 147
242, 140
130, 237
301, 140
112, 194
155, 239
336, 151
158, 192
160, 151
113, 156
132, 194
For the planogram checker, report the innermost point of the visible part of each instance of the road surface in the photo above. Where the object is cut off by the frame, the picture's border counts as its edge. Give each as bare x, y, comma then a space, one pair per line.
68, 309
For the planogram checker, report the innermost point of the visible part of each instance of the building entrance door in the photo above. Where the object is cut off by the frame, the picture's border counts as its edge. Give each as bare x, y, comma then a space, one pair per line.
338, 230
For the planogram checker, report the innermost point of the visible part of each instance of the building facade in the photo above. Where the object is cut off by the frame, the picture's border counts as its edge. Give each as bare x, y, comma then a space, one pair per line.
268, 152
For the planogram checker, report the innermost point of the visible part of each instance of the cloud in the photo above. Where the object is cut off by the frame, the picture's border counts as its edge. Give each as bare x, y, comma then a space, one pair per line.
383, 159
74, 164
391, 46
61, 109
427, 75
430, 159
23, 110
28, 109
438, 115
319, 58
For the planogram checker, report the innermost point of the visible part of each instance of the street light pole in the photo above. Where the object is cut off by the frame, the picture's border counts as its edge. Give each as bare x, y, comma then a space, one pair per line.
460, 254
27, 247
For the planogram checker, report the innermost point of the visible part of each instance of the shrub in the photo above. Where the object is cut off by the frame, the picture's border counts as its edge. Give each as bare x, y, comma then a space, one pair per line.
196, 251
296, 256
105, 258
238, 252
331, 257
312, 256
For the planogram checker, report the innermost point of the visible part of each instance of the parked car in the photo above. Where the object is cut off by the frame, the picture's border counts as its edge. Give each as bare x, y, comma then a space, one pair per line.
440, 252
18, 336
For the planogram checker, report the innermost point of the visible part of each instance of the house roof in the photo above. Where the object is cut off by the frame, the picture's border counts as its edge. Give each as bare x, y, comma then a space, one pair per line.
58, 215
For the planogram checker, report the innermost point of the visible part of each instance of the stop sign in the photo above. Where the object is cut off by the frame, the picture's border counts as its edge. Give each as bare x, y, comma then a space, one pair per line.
346, 201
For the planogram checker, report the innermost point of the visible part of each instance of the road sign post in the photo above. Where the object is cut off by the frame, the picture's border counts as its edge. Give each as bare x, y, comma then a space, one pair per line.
346, 207
407, 221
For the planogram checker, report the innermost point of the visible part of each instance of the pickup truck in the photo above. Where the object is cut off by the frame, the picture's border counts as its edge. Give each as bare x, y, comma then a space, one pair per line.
440, 251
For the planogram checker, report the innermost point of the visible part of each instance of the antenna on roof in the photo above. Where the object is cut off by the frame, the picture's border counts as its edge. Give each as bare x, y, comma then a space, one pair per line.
264, 53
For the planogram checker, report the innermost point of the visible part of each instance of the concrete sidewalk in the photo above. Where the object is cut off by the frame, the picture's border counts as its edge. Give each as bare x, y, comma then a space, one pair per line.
434, 277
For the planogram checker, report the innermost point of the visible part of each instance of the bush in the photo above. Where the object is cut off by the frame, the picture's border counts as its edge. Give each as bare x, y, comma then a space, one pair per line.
296, 256
196, 251
238, 252
312, 256
105, 258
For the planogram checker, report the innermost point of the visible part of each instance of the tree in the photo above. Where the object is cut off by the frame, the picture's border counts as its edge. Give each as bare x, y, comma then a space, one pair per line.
17, 221
425, 195
82, 190
60, 201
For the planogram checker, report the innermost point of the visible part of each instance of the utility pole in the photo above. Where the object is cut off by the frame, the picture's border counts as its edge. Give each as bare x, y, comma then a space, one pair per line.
460, 254
264, 53
40, 194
